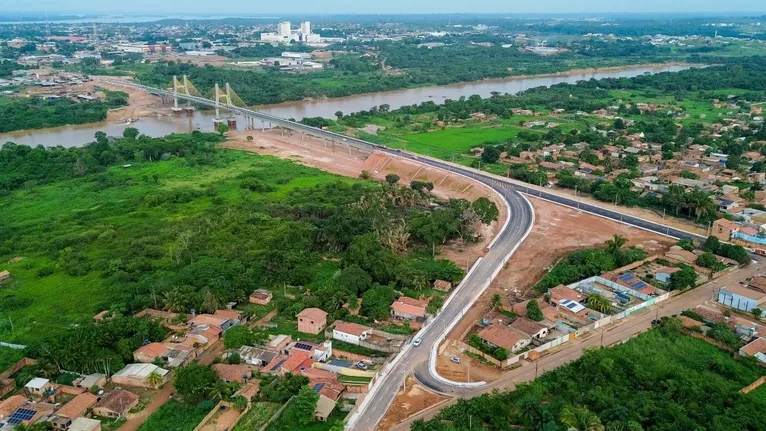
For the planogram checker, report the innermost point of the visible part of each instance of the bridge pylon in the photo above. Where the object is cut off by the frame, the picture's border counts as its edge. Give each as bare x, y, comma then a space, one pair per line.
183, 87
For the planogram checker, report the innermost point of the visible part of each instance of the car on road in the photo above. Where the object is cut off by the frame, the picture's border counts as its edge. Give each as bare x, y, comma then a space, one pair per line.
362, 366
456, 360
416, 342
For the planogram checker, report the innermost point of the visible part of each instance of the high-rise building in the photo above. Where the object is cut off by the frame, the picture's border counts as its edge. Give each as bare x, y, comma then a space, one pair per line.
305, 29
284, 29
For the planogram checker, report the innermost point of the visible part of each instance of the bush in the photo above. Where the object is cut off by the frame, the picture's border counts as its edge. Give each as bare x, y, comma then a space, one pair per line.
45, 271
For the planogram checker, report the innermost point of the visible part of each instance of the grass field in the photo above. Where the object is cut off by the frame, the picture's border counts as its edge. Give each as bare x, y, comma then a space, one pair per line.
258, 415
175, 416
92, 217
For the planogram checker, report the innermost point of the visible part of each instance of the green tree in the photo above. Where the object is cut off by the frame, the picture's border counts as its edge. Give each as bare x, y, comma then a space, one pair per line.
686, 244
580, 419
533, 311
599, 303
376, 302
240, 403
490, 154
615, 244
240, 335
194, 382
709, 260
486, 210
712, 244
354, 279
154, 379
686, 278
222, 128
305, 404
392, 178
234, 359
130, 133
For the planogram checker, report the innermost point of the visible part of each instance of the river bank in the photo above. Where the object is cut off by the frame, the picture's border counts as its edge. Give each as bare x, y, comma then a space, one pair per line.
157, 119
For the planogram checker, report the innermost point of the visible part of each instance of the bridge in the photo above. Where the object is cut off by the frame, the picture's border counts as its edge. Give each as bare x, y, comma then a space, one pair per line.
421, 360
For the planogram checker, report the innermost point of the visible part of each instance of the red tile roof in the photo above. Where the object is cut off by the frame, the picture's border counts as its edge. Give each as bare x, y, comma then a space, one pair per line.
501, 336
757, 346
77, 406
351, 328
313, 313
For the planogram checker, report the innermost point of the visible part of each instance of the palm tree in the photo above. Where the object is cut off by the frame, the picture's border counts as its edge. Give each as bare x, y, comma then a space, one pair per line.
581, 419
599, 303
210, 301
615, 243
174, 301
154, 378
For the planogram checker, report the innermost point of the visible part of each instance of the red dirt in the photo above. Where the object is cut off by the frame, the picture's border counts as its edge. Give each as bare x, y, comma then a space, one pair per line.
414, 399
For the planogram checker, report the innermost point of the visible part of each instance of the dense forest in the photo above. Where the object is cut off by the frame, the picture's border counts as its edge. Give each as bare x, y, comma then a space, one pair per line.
662, 380
188, 225
38, 113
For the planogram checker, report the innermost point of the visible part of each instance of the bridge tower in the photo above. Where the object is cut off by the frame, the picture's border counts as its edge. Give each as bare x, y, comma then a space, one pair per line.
183, 86
217, 120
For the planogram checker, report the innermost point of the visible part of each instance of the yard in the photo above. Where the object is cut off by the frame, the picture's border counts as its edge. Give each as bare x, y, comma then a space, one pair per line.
175, 416
256, 417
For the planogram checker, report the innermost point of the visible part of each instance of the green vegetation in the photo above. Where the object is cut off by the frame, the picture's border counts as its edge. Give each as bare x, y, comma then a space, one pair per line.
587, 263
256, 417
195, 382
9, 357
175, 416
241, 335
292, 417
37, 113
665, 390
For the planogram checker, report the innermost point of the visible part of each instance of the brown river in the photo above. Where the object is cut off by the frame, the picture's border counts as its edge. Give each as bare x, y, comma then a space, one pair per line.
70, 136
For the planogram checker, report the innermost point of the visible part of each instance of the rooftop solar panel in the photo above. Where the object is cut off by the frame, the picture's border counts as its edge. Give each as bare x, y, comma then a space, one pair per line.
303, 346
338, 363
625, 277
21, 415
318, 387
571, 305
279, 364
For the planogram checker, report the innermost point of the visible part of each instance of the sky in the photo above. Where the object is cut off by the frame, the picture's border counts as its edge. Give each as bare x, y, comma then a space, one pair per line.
255, 7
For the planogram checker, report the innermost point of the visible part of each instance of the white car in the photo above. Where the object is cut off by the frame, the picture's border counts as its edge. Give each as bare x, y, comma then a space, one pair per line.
416, 342
455, 359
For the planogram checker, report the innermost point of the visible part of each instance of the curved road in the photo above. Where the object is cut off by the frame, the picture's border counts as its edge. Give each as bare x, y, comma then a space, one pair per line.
520, 220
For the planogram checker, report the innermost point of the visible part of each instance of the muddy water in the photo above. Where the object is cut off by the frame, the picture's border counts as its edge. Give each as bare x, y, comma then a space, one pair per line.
69, 136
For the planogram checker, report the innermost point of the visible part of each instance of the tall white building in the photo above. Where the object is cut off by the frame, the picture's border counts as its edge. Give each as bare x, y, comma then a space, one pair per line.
284, 29
305, 29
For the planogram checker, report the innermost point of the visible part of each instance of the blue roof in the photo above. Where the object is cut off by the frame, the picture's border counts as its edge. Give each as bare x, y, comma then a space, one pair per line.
303, 346
21, 415
318, 387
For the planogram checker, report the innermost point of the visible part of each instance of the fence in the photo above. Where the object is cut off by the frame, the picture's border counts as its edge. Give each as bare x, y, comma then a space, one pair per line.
13, 346
753, 386
210, 414
21, 363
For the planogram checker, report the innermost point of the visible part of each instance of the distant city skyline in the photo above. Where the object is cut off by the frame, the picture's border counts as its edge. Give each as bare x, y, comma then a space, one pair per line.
248, 8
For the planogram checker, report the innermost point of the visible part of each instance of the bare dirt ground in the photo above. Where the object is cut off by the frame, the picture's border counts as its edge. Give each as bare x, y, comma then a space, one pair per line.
140, 102
558, 231
469, 370
339, 160
408, 402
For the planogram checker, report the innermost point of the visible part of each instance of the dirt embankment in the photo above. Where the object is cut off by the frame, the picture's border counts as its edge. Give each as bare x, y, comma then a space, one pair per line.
140, 102
413, 399
340, 160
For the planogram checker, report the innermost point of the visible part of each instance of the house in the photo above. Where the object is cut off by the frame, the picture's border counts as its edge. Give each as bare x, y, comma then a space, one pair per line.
4, 276
757, 283
282, 365
548, 311
261, 297
212, 320
740, 297
233, 316
205, 334
663, 274
233, 373
561, 292
78, 406
116, 404
38, 387
409, 308
723, 229
678, 254
729, 202
324, 408
85, 424
149, 352
312, 320
256, 356
756, 349
11, 404
498, 335
279, 342
138, 375
250, 389
350, 332
96, 379
179, 354
442, 285
30, 413
530, 328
